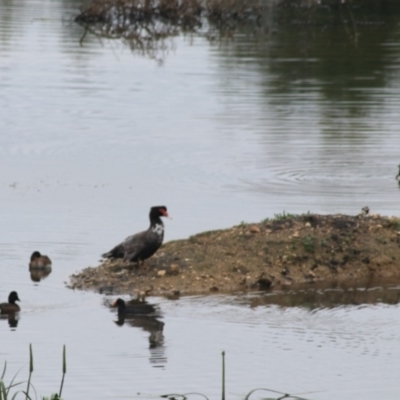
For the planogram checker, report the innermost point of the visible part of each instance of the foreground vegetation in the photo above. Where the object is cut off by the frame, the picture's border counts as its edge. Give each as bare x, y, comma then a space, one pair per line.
5, 390
281, 395
6, 395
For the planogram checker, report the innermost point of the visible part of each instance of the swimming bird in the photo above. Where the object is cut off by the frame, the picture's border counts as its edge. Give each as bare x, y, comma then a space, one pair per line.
398, 174
10, 307
39, 261
134, 307
144, 244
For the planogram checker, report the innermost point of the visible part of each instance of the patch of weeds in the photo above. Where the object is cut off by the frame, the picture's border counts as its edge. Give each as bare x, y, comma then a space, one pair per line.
285, 215
396, 224
5, 390
308, 243
52, 397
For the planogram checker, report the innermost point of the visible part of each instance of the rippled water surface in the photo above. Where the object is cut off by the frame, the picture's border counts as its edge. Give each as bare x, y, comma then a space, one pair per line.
92, 135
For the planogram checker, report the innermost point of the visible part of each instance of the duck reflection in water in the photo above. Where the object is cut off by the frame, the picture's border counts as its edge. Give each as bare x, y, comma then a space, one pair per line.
140, 314
149, 324
38, 274
12, 319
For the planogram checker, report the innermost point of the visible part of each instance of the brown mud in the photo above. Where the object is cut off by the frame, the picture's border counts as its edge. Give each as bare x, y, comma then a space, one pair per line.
287, 251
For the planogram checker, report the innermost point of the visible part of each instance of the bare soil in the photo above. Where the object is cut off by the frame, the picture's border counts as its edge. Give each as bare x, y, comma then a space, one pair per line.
289, 250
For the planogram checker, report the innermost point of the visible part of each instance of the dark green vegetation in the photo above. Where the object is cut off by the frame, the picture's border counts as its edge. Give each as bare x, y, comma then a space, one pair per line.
5, 391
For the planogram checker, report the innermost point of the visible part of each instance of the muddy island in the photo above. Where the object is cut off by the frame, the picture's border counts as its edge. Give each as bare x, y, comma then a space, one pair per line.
275, 253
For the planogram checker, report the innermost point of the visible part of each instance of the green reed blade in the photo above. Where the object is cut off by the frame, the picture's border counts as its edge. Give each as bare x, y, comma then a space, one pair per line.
223, 375
64, 368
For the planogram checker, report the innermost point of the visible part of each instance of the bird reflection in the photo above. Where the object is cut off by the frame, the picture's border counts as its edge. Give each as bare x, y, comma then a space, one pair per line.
38, 274
156, 338
12, 320
149, 324
134, 314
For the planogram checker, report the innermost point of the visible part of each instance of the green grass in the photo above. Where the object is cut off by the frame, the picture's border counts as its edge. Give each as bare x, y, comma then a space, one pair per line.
285, 215
5, 391
396, 224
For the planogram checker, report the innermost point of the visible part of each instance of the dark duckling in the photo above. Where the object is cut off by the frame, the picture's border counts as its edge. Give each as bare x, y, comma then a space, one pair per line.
144, 244
133, 307
10, 307
39, 261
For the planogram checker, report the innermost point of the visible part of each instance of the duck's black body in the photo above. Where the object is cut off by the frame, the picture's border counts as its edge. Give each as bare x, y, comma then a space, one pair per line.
142, 245
10, 307
133, 307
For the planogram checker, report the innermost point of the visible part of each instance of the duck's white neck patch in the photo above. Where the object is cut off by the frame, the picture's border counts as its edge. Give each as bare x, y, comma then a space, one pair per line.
158, 229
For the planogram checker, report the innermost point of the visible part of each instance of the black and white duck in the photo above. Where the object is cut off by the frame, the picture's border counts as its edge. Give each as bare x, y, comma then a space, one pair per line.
144, 244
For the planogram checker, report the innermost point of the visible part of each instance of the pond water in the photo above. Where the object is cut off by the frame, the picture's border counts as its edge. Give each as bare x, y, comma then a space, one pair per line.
93, 135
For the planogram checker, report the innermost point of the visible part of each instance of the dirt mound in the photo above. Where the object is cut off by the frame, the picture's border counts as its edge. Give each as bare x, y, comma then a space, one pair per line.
287, 250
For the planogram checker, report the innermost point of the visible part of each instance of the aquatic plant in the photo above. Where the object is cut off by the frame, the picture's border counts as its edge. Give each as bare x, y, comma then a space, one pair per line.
223, 375
5, 390
184, 396
281, 395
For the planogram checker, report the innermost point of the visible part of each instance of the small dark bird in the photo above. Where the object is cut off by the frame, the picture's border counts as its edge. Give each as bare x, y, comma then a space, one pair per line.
39, 261
133, 307
142, 245
10, 307
398, 174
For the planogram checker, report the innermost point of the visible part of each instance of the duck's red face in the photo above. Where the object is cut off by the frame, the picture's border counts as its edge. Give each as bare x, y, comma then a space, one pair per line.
163, 212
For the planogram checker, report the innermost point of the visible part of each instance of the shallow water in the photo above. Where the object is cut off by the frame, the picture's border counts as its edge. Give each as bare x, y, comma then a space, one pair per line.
92, 136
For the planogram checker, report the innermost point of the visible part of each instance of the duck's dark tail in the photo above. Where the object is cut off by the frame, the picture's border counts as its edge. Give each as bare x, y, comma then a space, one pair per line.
116, 252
